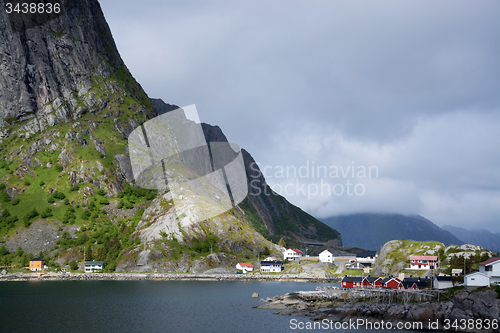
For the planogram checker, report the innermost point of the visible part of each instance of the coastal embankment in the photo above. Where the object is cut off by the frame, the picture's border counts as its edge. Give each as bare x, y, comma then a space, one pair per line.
303, 277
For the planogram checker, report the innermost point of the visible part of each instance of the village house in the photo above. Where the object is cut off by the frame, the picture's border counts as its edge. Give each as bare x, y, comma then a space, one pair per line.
476, 279
419, 282
489, 273
37, 264
292, 254
372, 281
357, 266
326, 256
423, 262
491, 267
91, 266
352, 281
408, 285
442, 282
366, 257
456, 272
244, 267
271, 266
391, 282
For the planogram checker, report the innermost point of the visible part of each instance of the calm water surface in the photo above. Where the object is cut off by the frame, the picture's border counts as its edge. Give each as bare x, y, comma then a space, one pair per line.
143, 306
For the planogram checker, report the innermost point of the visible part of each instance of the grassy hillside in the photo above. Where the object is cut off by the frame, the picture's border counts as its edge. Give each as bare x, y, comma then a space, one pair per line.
395, 255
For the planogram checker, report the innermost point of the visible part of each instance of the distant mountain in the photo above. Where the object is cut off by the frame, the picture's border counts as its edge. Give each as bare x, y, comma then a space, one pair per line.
372, 231
482, 237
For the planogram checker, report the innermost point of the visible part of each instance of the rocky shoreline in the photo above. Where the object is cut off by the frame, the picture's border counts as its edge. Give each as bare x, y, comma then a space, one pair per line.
164, 277
331, 305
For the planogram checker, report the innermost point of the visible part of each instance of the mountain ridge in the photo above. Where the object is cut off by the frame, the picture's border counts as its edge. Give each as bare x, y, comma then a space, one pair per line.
481, 237
373, 230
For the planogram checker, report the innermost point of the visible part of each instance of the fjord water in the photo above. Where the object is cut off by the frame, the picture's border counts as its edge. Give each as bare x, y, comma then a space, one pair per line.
143, 306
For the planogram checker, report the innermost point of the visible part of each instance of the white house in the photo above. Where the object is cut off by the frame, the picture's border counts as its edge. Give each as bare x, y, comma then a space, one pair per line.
326, 256
476, 279
367, 257
456, 271
442, 282
292, 254
244, 267
91, 266
271, 266
491, 267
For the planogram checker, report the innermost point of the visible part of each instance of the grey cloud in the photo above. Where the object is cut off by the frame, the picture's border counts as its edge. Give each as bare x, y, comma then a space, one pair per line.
411, 86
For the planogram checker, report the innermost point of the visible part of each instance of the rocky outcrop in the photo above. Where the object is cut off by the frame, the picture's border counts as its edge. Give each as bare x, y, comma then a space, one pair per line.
394, 257
479, 305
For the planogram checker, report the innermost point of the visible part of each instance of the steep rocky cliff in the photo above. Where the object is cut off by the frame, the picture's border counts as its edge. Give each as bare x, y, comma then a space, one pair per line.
67, 107
56, 71
270, 214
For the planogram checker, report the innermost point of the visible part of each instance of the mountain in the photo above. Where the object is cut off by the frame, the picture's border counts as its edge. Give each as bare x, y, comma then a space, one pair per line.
482, 237
67, 191
269, 213
371, 231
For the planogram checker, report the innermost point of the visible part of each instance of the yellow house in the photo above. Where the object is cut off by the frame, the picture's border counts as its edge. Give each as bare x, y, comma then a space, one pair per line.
37, 264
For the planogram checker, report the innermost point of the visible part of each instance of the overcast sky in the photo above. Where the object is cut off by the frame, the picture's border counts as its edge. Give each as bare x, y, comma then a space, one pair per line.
408, 88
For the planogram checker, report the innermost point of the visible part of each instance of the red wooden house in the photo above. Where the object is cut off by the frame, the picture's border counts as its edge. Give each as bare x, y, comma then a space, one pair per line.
408, 285
352, 281
392, 283
371, 281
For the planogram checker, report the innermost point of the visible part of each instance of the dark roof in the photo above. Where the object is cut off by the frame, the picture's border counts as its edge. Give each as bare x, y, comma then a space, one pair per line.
366, 254
356, 265
412, 279
389, 279
416, 279
489, 261
408, 284
94, 263
372, 279
352, 279
420, 282
384, 280
268, 263
37, 259
443, 278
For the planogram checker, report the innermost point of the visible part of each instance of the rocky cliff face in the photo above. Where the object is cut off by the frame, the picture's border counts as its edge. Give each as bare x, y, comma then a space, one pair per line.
270, 214
56, 71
